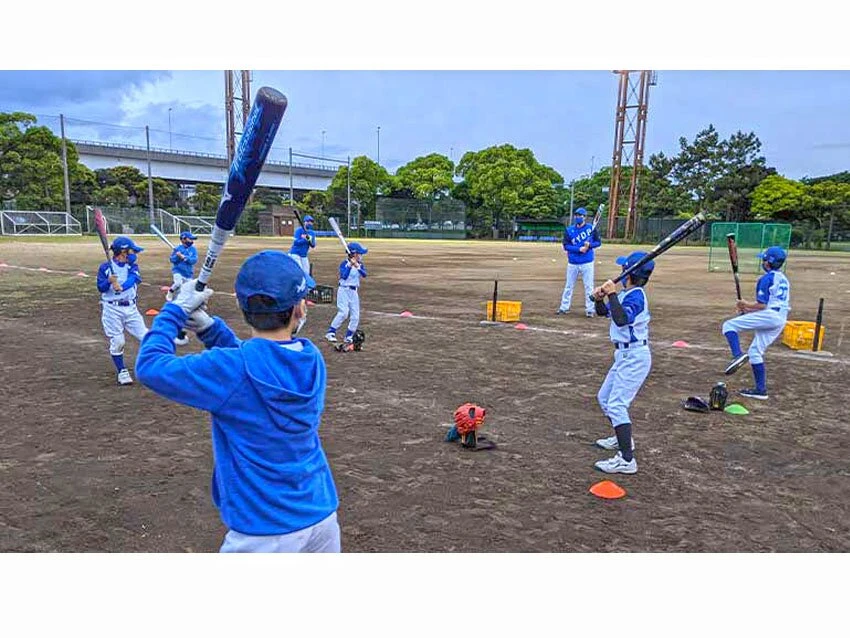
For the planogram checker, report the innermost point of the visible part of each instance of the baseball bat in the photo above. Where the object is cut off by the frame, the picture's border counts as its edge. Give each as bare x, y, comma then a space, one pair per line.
598, 217
335, 226
156, 231
254, 145
733, 258
100, 227
663, 246
495, 299
818, 322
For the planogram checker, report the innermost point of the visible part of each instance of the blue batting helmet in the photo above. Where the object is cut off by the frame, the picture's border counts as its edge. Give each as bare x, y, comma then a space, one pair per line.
775, 256
309, 218
123, 243
641, 273
187, 234
360, 249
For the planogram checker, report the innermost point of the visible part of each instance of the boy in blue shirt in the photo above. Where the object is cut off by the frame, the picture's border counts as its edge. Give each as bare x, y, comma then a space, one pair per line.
629, 312
304, 240
766, 317
183, 259
271, 481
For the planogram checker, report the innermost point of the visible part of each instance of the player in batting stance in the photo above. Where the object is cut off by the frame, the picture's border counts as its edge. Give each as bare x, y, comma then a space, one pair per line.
117, 282
629, 312
579, 241
305, 239
766, 317
271, 481
183, 259
351, 271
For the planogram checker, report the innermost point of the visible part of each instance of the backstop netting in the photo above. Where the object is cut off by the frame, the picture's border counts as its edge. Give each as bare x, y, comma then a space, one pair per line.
751, 239
539, 229
37, 222
419, 218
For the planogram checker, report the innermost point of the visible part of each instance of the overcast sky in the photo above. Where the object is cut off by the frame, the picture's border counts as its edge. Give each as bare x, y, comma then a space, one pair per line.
566, 118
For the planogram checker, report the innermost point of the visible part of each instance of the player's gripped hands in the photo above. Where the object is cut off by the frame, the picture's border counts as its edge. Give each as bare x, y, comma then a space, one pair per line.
598, 294
113, 281
199, 320
742, 305
190, 299
609, 288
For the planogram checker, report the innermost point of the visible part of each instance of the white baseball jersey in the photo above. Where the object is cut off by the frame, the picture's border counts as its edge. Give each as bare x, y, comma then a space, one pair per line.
636, 307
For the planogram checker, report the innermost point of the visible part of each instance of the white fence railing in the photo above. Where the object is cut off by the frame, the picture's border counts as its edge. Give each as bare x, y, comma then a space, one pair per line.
37, 222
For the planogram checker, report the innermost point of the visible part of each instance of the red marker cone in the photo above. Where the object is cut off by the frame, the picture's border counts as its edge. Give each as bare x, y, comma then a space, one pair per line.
81, 274
681, 344
607, 489
152, 312
406, 313
521, 326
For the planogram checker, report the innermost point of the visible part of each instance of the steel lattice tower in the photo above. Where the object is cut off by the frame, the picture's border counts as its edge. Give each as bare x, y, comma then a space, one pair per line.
237, 89
629, 139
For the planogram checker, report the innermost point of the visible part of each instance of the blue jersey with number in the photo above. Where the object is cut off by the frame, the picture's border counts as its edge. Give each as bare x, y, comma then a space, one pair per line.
774, 291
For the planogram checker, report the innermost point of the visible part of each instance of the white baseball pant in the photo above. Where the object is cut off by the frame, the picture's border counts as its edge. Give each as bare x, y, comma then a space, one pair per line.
348, 304
323, 537
117, 319
573, 271
766, 325
624, 380
304, 262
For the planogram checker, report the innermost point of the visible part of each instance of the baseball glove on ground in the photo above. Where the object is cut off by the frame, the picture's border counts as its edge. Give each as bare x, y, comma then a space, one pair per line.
696, 404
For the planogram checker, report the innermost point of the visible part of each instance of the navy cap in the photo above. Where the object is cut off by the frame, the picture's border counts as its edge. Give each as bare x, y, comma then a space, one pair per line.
122, 243
581, 211
630, 260
187, 234
357, 248
274, 274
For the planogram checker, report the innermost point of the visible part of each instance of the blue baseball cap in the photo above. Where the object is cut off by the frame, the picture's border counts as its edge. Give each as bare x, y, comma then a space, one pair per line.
630, 260
357, 248
309, 218
774, 255
274, 274
581, 211
187, 234
123, 243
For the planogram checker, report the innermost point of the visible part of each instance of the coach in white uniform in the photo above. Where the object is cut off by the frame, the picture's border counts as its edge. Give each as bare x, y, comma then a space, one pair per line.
579, 241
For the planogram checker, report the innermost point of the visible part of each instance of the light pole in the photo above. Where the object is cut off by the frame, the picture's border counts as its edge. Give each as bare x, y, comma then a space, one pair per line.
323, 143
379, 146
169, 128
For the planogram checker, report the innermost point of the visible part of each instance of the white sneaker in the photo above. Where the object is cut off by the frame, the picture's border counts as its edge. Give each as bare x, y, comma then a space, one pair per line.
590, 314
611, 443
181, 342
330, 336
124, 377
349, 340
617, 465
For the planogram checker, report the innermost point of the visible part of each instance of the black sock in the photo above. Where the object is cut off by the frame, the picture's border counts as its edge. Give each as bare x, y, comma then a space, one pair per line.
624, 439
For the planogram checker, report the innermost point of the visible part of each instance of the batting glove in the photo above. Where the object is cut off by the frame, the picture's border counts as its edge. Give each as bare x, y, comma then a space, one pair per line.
199, 321
190, 299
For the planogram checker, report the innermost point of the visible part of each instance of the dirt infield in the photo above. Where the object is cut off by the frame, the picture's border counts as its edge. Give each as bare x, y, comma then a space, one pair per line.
89, 466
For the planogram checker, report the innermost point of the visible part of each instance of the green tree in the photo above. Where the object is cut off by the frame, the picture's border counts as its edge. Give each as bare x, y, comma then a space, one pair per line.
698, 166
115, 195
778, 197
206, 198
165, 193
130, 177
368, 180
269, 196
83, 181
427, 177
249, 222
743, 168
590, 191
30, 163
508, 182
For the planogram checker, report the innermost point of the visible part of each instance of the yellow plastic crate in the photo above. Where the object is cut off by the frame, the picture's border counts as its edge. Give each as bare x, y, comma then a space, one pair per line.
800, 335
505, 310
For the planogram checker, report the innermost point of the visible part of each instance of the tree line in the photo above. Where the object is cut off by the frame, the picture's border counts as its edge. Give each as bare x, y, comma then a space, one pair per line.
724, 178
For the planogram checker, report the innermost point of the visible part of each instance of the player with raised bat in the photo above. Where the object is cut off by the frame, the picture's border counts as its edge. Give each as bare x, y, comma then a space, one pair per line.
118, 280
304, 239
580, 239
351, 272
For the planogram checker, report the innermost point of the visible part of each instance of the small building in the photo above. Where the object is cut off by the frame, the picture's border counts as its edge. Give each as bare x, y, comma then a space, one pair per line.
278, 221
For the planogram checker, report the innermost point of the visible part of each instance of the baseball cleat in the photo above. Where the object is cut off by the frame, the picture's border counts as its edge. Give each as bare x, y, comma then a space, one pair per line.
617, 465
124, 377
736, 364
590, 314
181, 341
753, 393
330, 336
611, 443
561, 312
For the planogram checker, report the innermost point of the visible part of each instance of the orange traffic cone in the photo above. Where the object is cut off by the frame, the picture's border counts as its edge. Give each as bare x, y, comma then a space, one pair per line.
607, 489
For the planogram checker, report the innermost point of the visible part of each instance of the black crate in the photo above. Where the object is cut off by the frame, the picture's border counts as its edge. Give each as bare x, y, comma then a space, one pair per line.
321, 294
